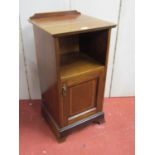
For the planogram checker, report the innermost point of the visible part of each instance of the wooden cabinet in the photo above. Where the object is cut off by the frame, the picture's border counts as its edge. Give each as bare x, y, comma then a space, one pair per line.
72, 56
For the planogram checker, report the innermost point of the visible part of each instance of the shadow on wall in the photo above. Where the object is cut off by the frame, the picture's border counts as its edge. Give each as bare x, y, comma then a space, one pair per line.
31, 63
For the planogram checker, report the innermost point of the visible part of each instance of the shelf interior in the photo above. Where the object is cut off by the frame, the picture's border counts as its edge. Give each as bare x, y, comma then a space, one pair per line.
76, 63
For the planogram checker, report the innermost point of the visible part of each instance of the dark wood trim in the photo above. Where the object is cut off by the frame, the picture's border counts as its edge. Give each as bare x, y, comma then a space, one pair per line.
66, 130
63, 132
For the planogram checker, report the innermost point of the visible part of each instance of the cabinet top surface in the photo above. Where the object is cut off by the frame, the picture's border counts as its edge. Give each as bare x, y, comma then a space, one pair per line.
68, 22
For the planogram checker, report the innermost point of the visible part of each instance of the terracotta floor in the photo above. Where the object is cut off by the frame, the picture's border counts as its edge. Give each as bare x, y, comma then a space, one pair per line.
115, 137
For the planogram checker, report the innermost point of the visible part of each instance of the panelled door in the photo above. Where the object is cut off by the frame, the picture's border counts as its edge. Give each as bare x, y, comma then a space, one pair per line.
82, 96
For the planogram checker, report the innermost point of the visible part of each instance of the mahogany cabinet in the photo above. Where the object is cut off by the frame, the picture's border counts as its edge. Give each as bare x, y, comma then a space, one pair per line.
72, 56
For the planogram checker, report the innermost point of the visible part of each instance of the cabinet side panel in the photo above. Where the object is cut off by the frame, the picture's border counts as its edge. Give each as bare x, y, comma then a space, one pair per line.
107, 58
47, 68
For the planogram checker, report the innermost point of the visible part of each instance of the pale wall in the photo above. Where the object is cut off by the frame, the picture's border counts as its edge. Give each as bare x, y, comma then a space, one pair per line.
122, 83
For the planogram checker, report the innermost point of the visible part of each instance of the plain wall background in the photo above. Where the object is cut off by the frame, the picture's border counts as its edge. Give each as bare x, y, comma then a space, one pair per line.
120, 75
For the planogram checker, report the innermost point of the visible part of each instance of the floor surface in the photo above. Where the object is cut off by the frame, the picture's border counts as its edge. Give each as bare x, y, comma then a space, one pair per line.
115, 137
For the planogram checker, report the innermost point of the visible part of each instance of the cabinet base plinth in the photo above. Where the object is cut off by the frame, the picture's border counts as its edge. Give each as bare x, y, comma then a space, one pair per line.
63, 132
